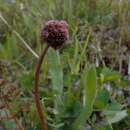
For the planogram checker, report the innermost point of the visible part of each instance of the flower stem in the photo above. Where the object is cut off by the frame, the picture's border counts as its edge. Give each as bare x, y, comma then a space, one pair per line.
36, 90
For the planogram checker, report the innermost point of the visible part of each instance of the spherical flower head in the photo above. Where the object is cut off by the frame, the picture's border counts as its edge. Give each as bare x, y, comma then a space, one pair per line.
55, 33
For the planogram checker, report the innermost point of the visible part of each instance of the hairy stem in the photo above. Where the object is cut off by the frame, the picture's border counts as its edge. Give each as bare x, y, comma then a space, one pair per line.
36, 90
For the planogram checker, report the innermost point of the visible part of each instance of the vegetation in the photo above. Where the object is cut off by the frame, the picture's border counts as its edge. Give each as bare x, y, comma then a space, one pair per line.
83, 86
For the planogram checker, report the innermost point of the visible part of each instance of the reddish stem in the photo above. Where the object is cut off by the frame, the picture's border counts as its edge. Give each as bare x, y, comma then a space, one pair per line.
36, 90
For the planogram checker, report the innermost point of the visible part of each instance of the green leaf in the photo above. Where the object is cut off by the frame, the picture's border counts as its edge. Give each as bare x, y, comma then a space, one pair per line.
114, 112
56, 75
114, 105
89, 83
10, 124
110, 75
115, 116
55, 71
102, 99
9, 50
26, 80
106, 127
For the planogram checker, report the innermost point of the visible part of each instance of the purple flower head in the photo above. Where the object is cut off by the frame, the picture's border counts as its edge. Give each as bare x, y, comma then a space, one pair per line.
55, 33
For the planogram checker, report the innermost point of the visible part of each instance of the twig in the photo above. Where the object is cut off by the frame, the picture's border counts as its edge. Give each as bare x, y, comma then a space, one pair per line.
36, 90
19, 36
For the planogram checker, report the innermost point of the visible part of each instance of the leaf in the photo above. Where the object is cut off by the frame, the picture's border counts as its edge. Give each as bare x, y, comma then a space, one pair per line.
106, 127
89, 83
55, 71
56, 75
57, 126
102, 99
26, 81
110, 75
115, 116
114, 112
10, 124
114, 105
10, 50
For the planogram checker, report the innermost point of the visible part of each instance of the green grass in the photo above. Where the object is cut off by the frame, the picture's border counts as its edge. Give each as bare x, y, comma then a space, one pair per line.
99, 37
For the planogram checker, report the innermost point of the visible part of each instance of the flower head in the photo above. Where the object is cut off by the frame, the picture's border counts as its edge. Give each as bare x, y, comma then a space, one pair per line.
55, 33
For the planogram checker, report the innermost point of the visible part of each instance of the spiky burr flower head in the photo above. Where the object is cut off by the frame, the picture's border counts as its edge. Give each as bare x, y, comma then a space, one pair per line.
55, 33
